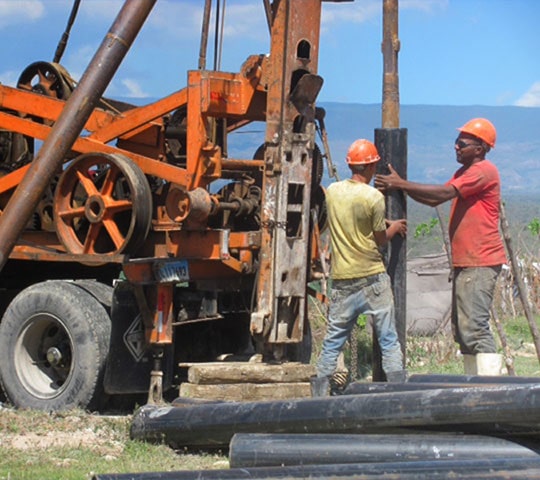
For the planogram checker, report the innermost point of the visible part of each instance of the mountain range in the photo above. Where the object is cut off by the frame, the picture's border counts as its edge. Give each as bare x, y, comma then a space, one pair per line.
431, 131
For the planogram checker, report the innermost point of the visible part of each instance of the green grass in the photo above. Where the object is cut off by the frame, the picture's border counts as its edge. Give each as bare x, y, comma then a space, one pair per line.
436, 354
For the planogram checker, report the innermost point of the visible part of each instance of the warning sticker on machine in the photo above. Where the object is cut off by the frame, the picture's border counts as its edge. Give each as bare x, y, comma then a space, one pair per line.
134, 338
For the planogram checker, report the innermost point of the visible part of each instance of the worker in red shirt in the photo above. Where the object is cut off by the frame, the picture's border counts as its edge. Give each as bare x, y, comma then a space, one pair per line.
477, 250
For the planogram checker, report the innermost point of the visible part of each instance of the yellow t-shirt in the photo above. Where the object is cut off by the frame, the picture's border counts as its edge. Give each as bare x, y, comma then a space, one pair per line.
355, 211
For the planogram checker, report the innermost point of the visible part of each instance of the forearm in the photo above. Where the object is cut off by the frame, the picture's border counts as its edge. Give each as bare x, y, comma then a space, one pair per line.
431, 195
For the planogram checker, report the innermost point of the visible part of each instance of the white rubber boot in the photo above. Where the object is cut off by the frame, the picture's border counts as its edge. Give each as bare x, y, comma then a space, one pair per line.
489, 364
469, 365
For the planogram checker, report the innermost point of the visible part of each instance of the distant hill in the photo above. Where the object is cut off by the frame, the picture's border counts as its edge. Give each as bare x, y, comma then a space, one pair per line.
431, 131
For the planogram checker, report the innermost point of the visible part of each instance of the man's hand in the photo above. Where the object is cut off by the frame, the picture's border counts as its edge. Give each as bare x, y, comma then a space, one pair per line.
397, 227
388, 182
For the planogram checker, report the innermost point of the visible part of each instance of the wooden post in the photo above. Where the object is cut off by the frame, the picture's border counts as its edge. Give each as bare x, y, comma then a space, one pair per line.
519, 281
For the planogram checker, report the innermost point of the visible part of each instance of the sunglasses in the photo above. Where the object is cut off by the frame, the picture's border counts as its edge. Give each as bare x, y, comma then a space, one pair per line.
462, 144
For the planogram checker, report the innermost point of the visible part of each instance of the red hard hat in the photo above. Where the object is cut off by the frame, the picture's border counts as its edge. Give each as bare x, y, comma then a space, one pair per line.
362, 152
482, 129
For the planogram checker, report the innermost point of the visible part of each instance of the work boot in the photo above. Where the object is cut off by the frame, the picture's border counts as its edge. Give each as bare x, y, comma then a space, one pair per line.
320, 386
489, 364
469, 364
398, 376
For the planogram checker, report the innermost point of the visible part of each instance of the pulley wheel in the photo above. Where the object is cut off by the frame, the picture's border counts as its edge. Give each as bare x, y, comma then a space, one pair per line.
46, 78
102, 205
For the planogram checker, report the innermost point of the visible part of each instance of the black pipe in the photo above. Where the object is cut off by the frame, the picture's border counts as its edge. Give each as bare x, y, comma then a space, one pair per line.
362, 388
480, 379
213, 425
499, 468
391, 144
268, 450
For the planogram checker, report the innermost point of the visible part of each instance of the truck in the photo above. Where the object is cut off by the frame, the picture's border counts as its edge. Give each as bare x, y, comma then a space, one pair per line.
142, 244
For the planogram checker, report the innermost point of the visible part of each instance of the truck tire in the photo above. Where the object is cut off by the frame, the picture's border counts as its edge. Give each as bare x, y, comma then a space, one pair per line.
104, 295
52, 339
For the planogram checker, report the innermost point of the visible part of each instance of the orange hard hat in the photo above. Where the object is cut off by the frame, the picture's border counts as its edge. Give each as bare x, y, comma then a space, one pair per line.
362, 152
482, 129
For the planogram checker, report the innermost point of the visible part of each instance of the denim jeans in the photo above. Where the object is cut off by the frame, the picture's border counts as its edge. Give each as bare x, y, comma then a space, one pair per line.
348, 299
473, 290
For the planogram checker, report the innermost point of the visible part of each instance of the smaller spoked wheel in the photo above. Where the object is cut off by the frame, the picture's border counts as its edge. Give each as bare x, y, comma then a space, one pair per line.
46, 78
102, 205
54, 339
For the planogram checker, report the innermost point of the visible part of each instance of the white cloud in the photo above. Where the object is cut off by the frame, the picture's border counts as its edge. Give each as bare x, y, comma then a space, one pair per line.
241, 20
104, 11
134, 90
531, 98
350, 13
9, 78
424, 5
18, 12
361, 12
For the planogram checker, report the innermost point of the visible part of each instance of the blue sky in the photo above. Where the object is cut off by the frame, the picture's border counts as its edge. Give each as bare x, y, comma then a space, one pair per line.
453, 52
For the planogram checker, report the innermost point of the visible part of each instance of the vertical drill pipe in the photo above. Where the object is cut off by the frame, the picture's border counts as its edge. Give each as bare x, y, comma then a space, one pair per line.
269, 450
390, 49
391, 141
392, 146
71, 122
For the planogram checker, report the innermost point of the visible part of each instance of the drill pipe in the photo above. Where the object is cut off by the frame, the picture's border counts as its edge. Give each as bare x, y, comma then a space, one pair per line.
483, 379
269, 450
362, 388
500, 468
70, 123
213, 425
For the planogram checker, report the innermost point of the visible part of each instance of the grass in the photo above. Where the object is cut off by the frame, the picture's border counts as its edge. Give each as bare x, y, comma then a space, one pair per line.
434, 354
76, 445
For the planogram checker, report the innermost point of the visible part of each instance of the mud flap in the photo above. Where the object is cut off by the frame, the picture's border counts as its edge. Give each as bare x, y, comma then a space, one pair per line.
129, 363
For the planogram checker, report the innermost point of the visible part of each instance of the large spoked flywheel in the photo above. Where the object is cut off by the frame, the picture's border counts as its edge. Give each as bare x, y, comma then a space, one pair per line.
102, 205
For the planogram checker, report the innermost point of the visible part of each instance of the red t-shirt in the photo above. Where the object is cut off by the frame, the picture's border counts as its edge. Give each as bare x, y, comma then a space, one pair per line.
474, 217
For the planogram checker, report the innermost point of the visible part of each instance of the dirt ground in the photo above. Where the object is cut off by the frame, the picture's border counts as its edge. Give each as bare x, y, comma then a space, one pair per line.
103, 434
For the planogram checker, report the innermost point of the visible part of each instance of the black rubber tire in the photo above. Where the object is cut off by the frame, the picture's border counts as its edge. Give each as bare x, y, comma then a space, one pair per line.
59, 318
104, 295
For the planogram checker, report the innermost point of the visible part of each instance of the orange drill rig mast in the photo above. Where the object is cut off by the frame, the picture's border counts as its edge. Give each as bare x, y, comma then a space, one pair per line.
184, 272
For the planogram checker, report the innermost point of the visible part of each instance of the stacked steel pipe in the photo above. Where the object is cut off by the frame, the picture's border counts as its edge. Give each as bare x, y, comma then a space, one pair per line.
432, 426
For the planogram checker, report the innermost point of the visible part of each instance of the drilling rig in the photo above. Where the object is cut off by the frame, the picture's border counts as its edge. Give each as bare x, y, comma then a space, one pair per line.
137, 242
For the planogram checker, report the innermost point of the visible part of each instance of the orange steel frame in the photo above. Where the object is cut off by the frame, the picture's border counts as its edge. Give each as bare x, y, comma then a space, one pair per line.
259, 92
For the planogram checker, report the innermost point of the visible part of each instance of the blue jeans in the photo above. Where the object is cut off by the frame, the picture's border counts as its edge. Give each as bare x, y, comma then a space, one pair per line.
348, 299
473, 290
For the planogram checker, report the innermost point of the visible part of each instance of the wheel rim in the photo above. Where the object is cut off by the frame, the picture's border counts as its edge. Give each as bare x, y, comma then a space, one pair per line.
44, 356
102, 205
